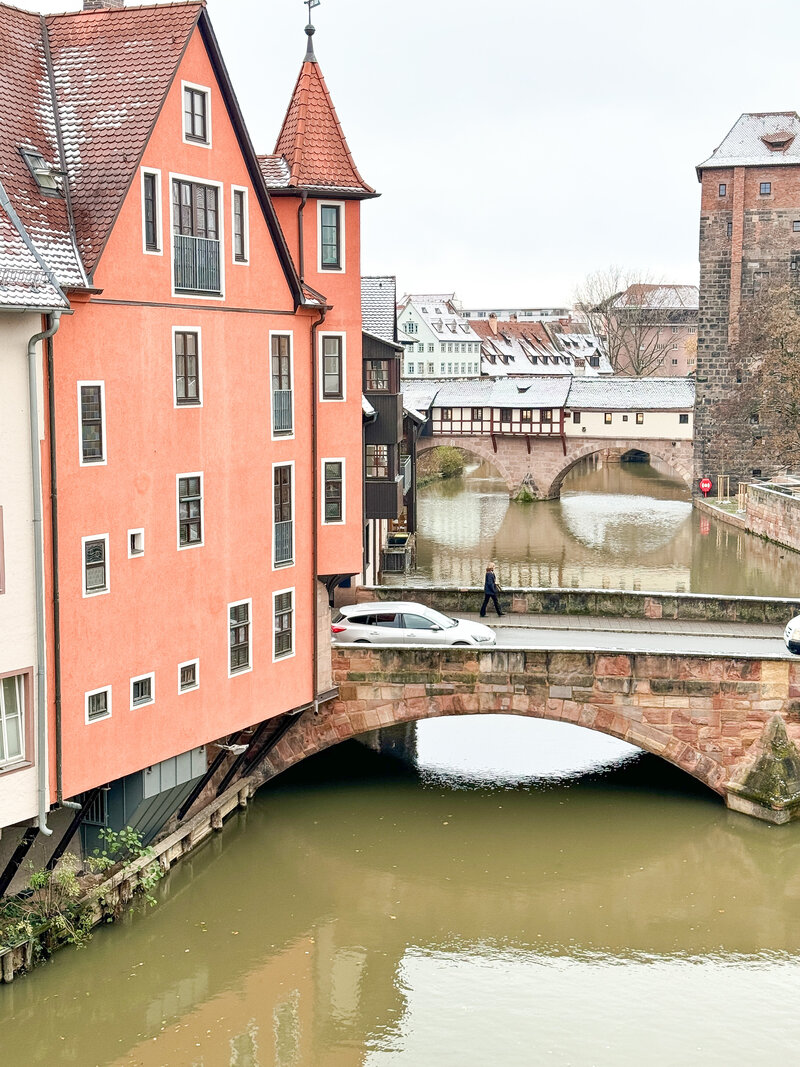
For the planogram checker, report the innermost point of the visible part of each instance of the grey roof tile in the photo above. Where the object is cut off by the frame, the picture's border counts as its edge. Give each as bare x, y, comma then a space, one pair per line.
743, 145
378, 306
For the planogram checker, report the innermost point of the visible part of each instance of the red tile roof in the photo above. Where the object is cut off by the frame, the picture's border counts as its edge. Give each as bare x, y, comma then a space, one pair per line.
312, 142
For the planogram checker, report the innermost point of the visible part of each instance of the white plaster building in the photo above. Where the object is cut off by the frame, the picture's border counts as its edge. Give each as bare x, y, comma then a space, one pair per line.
439, 341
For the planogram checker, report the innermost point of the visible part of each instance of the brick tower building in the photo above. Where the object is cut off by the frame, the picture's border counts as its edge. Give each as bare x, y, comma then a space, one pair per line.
749, 238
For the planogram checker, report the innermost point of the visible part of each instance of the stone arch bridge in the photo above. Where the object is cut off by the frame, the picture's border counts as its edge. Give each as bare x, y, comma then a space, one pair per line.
729, 722
539, 465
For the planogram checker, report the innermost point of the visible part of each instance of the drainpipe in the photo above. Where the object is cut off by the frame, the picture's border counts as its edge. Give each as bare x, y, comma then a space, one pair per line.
38, 548
301, 255
314, 480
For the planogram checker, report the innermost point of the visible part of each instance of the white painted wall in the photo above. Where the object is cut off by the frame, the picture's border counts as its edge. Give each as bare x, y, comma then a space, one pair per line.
657, 425
17, 605
440, 351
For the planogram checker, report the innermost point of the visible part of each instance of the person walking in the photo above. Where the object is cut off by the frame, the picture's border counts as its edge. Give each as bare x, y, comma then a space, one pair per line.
490, 589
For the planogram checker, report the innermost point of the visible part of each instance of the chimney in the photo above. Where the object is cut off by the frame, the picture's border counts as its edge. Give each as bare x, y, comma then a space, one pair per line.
512, 317
493, 323
98, 5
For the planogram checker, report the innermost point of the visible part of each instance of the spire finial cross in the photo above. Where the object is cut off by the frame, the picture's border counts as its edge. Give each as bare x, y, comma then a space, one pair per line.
311, 5
310, 57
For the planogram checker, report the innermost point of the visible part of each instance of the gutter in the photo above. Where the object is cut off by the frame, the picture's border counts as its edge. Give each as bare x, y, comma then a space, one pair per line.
38, 548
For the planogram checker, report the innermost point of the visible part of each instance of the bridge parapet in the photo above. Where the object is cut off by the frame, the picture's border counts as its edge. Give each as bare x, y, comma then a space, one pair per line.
702, 713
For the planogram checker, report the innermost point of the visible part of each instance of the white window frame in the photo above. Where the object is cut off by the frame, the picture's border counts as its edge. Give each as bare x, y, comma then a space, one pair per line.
246, 222
284, 566
95, 592
93, 462
196, 664
190, 140
249, 667
290, 335
323, 520
134, 533
159, 214
144, 703
199, 332
293, 653
342, 220
22, 680
202, 541
321, 358
221, 220
94, 692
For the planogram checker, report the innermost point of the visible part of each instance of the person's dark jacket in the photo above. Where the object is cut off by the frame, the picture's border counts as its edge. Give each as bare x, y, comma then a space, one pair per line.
490, 586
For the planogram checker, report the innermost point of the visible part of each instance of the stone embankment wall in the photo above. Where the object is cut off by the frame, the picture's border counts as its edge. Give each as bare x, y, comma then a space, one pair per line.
774, 515
593, 602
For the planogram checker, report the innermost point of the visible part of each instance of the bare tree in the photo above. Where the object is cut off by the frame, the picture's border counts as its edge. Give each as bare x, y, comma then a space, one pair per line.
763, 415
629, 310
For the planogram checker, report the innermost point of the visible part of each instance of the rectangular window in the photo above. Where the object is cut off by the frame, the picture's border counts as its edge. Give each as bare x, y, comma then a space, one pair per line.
282, 398
143, 690
282, 508
477, 414
95, 564
683, 419
239, 208
760, 279
607, 418
576, 417
330, 237
411, 368
765, 189
239, 637
98, 704
446, 414
376, 375
283, 623
188, 675
723, 189
640, 418
195, 114
186, 349
12, 719
377, 461
420, 347
796, 226
195, 227
151, 210
135, 543
505, 414
430, 368
546, 415
333, 490
431, 348
332, 368
730, 229
92, 416
190, 510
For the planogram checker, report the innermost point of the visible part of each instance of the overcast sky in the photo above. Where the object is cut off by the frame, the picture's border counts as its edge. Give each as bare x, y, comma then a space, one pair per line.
519, 146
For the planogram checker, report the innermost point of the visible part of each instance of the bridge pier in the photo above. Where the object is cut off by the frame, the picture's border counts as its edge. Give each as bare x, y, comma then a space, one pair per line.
766, 784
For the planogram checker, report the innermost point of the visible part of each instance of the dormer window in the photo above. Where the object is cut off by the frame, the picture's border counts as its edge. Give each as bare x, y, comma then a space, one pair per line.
778, 141
45, 175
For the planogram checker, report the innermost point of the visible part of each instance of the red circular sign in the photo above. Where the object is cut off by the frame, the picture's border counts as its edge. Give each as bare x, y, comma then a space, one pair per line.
705, 485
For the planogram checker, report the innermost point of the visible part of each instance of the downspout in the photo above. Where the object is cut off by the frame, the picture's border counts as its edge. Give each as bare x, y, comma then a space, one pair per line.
38, 548
51, 402
314, 493
301, 255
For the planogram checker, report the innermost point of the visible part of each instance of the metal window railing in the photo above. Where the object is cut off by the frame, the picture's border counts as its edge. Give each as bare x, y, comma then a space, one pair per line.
283, 542
282, 410
197, 264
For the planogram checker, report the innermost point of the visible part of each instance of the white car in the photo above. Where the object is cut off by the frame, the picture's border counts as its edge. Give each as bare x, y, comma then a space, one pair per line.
405, 624
791, 635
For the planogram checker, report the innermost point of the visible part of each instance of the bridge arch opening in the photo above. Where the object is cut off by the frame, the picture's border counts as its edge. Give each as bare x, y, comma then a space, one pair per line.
665, 459
478, 451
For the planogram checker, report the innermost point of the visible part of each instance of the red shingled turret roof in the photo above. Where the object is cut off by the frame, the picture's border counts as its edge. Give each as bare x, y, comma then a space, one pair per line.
312, 142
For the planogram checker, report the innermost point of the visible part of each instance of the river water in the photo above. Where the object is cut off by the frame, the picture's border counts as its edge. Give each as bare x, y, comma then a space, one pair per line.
531, 893
616, 526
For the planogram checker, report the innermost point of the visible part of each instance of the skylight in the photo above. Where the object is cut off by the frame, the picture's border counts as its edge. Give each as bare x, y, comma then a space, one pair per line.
45, 175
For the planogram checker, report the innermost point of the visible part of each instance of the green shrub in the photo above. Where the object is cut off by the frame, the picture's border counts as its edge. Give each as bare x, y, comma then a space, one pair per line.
451, 462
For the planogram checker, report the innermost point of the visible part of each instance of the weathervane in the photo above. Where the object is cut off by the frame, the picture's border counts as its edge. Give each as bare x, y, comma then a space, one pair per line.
310, 29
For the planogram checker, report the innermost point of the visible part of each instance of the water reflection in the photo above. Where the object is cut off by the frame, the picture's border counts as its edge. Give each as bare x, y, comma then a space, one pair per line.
616, 526
352, 917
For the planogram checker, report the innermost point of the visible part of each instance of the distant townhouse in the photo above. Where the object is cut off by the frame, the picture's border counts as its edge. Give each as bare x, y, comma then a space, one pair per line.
506, 314
654, 330
439, 340
202, 424
510, 348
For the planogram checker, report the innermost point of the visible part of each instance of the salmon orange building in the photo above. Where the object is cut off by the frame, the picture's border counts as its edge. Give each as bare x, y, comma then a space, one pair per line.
201, 446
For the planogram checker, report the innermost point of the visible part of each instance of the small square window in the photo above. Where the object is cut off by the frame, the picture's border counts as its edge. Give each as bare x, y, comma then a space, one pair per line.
683, 418
188, 675
765, 189
624, 418
796, 226
723, 189
98, 704
135, 543
143, 690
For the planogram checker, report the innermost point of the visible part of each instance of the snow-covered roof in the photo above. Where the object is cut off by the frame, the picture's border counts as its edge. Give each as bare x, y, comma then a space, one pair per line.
659, 297
631, 394
379, 306
510, 348
25, 279
438, 315
367, 408
764, 139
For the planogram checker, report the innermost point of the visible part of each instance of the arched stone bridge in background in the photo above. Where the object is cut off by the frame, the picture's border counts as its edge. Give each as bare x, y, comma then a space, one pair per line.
729, 722
542, 466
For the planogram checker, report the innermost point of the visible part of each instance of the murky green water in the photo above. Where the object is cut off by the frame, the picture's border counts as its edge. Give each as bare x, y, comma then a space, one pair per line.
356, 916
618, 526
